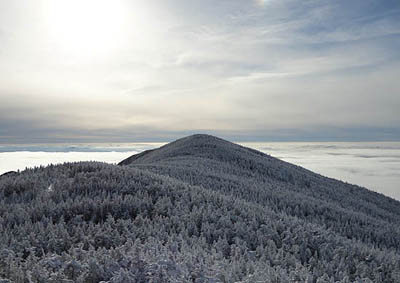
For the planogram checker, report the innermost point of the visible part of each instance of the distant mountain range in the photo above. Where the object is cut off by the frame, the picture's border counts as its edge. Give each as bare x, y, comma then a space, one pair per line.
199, 209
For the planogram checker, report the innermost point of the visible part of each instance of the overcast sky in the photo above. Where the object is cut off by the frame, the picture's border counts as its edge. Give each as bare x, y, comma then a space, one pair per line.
119, 70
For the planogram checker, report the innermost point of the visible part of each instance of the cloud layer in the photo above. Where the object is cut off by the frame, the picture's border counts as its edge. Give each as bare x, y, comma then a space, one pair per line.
261, 69
373, 165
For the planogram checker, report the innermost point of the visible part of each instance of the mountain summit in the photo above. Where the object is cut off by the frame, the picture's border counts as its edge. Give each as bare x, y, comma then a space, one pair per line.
200, 158
199, 209
195, 146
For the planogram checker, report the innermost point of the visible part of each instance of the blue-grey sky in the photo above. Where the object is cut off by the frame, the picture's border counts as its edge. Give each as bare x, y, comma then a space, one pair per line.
120, 70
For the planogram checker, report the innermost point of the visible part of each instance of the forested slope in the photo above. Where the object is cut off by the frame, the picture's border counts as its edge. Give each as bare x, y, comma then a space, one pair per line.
197, 210
222, 166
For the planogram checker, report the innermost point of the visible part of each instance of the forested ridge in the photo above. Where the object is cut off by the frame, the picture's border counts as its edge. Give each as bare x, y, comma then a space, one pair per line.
199, 209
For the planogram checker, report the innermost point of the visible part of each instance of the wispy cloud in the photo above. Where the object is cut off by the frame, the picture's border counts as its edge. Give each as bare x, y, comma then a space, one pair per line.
246, 67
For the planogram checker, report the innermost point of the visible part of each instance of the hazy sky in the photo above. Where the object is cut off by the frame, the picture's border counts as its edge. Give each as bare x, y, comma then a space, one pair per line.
119, 70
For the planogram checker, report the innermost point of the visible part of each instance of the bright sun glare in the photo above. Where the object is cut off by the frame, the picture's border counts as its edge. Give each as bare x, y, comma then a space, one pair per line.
85, 27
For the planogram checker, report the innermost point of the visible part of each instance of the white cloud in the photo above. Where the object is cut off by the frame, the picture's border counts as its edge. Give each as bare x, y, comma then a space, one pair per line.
193, 65
375, 166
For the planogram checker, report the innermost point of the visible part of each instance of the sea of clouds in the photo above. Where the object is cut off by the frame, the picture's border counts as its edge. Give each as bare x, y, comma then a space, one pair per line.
374, 165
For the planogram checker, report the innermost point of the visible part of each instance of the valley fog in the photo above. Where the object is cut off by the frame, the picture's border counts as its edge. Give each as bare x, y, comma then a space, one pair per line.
374, 165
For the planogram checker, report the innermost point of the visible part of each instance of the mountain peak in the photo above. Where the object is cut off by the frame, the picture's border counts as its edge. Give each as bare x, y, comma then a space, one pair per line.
200, 145
200, 139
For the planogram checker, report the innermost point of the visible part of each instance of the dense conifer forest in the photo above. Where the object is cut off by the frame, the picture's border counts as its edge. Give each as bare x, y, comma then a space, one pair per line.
199, 209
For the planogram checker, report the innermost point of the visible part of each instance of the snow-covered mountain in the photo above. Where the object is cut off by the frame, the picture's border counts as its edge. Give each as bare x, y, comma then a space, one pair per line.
200, 209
